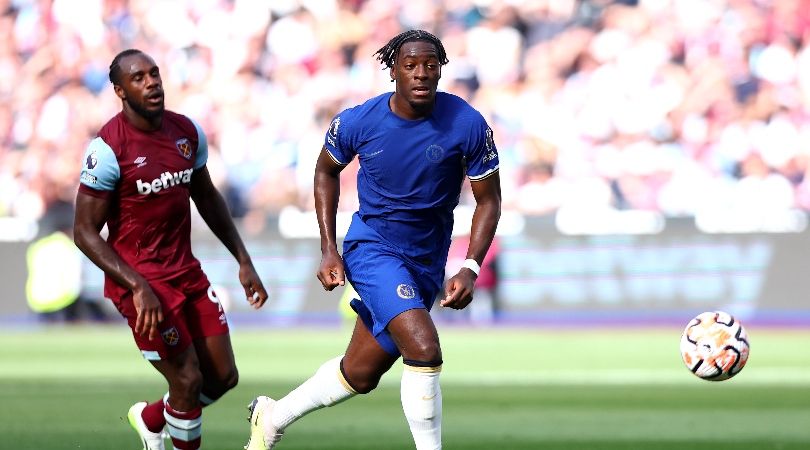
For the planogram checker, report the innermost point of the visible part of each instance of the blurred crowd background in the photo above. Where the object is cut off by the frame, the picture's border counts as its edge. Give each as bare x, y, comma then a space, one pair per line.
673, 106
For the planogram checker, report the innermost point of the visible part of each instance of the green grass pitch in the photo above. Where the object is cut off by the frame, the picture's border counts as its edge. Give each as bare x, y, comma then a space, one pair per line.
568, 389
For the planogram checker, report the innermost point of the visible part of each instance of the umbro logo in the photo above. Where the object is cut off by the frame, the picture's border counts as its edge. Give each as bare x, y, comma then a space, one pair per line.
140, 161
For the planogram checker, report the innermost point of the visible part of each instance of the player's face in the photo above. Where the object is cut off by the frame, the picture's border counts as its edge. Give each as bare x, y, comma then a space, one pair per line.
417, 73
141, 87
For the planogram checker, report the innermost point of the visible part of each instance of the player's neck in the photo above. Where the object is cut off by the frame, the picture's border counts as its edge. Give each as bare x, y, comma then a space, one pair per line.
140, 122
405, 110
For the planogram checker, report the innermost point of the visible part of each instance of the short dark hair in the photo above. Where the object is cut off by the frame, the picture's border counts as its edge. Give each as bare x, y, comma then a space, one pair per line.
387, 55
115, 68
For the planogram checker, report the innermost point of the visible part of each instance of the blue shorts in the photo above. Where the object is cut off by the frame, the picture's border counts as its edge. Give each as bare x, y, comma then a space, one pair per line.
387, 286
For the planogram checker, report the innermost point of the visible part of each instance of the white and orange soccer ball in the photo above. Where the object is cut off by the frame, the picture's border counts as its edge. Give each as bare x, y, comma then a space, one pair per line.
714, 346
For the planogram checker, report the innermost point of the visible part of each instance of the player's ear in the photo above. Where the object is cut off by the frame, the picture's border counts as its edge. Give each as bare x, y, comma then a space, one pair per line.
119, 91
391, 73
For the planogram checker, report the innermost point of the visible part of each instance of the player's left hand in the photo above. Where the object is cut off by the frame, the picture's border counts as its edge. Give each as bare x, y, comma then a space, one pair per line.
255, 292
459, 290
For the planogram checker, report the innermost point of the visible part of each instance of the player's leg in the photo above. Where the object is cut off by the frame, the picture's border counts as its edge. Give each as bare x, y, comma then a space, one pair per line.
416, 337
216, 362
148, 419
396, 297
182, 411
218, 367
357, 372
205, 369
366, 361
192, 314
207, 325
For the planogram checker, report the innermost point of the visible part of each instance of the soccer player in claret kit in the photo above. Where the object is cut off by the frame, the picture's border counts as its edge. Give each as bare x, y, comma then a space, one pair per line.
415, 147
137, 177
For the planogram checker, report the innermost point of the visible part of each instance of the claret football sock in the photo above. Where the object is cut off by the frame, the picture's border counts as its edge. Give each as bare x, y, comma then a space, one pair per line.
421, 398
185, 427
327, 387
153, 416
153, 413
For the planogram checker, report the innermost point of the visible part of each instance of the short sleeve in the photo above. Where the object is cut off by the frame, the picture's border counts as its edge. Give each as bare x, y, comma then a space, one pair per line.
482, 154
202, 146
100, 169
339, 139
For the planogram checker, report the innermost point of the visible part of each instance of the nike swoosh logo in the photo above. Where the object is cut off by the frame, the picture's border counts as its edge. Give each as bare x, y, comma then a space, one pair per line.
428, 397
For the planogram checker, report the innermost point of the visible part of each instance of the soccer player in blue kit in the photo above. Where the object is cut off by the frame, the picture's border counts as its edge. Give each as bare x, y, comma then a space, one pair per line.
415, 147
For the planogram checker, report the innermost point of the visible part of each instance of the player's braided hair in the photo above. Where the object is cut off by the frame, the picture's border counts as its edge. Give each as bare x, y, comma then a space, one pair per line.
115, 68
387, 55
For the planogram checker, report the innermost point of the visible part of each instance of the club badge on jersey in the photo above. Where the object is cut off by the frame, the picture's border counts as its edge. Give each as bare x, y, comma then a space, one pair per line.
184, 147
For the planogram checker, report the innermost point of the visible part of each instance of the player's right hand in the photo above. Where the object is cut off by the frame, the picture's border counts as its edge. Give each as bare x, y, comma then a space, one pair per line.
331, 272
149, 311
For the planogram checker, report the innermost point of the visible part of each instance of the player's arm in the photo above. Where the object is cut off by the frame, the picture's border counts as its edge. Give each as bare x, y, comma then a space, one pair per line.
215, 213
487, 193
91, 214
327, 193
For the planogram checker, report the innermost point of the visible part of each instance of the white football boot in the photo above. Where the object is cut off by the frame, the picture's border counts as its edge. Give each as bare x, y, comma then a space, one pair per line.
263, 435
149, 439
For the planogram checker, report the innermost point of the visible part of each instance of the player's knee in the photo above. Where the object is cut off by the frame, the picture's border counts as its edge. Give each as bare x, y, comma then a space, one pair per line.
361, 382
231, 380
189, 382
424, 365
215, 386
423, 351
364, 386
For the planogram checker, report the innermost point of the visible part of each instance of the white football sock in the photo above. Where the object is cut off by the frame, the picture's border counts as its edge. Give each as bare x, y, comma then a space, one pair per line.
327, 387
422, 403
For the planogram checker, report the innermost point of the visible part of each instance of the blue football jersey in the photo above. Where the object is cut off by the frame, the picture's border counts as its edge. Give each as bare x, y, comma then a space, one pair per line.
411, 171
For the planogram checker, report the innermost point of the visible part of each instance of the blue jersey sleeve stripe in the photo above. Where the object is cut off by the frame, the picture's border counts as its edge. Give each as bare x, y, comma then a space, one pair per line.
483, 175
202, 146
337, 161
100, 168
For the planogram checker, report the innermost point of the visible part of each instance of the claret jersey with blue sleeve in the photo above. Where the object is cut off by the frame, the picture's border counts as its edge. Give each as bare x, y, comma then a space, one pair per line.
146, 176
411, 171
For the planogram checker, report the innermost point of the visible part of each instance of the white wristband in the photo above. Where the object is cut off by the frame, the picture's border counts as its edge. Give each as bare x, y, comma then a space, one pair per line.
472, 265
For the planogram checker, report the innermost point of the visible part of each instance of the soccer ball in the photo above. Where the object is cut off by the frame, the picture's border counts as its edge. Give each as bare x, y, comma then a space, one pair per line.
714, 346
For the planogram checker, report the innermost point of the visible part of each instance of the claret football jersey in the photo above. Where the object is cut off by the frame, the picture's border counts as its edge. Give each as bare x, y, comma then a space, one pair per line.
146, 176
411, 171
